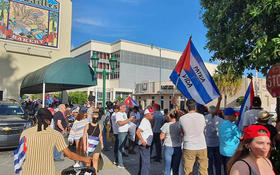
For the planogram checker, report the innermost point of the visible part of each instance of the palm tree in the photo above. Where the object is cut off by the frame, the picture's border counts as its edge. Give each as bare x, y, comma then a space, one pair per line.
4, 6
54, 19
227, 81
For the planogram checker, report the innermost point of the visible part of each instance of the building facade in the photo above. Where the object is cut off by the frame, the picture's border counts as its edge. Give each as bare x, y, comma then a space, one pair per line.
33, 34
147, 93
136, 63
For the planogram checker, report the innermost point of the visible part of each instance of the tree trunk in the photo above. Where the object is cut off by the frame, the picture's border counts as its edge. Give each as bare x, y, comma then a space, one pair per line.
225, 102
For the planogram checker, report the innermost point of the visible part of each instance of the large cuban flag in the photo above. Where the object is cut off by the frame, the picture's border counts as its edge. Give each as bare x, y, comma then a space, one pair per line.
246, 105
192, 78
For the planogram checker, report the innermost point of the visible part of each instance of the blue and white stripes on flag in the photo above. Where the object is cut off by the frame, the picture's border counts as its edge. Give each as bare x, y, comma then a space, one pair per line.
20, 155
246, 105
92, 143
192, 78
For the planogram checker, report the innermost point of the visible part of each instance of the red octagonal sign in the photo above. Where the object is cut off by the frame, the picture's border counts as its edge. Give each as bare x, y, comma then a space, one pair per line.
273, 81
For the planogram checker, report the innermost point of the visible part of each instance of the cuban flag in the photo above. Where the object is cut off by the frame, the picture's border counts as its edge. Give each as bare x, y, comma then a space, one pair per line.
20, 155
246, 105
192, 78
130, 102
92, 143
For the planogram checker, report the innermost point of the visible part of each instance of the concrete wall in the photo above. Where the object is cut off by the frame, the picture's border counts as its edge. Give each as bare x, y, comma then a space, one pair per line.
18, 59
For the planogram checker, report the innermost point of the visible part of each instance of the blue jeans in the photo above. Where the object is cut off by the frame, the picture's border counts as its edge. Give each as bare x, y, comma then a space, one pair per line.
116, 145
224, 161
172, 157
121, 136
56, 154
145, 161
104, 135
214, 158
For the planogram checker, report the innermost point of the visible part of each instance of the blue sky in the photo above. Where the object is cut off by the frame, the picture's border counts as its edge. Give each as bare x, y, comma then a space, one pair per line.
165, 23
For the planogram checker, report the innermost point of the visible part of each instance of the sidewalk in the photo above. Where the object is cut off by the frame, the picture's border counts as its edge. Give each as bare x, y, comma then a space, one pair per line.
131, 164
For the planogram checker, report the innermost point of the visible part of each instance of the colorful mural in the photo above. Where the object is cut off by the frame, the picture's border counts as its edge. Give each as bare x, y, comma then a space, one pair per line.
34, 22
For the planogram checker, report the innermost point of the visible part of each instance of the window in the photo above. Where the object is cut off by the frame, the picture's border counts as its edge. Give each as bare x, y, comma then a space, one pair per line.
153, 100
1, 95
161, 102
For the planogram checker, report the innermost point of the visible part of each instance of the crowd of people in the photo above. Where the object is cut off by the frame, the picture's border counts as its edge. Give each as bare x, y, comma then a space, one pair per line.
199, 139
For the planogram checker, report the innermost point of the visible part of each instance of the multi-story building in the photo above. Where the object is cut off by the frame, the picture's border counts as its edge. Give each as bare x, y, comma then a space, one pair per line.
147, 93
136, 63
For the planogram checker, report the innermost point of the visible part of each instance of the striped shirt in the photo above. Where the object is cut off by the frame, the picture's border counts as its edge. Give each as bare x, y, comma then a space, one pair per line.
39, 155
77, 130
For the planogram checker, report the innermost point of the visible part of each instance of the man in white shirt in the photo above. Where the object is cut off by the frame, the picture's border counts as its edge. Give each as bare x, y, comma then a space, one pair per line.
192, 128
251, 116
122, 121
145, 135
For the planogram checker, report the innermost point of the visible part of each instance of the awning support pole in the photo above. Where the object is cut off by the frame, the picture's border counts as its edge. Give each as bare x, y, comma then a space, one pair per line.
44, 91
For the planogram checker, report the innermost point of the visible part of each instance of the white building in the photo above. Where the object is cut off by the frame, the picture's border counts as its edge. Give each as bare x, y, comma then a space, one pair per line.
136, 63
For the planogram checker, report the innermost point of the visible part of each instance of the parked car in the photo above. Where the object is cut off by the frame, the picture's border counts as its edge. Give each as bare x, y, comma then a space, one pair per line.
13, 121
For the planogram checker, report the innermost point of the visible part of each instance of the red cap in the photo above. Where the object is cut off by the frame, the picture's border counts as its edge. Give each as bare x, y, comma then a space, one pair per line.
51, 109
252, 131
156, 106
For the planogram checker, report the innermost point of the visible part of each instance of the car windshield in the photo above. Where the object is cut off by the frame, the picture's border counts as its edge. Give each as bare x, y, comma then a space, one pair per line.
11, 110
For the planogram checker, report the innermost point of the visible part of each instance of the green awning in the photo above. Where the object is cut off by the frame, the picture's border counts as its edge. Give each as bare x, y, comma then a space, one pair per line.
64, 74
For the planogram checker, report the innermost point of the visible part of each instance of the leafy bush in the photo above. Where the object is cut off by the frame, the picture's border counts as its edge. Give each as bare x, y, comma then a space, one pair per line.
77, 97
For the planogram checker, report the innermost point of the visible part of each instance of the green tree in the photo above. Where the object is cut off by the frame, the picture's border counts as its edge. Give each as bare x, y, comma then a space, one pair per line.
227, 81
119, 100
77, 97
244, 33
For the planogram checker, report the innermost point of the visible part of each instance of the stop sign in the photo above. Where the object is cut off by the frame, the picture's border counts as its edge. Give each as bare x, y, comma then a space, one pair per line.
273, 81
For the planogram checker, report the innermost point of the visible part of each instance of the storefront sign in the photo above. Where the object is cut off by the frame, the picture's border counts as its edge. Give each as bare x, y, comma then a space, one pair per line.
30, 21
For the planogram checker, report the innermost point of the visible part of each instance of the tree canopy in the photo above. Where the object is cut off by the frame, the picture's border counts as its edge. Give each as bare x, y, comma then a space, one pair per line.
227, 81
243, 33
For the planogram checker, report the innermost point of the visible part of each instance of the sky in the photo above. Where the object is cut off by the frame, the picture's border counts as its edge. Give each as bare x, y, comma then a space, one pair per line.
164, 23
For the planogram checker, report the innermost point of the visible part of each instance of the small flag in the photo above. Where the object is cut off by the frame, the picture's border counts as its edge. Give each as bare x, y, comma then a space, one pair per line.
20, 155
130, 102
192, 78
92, 143
246, 105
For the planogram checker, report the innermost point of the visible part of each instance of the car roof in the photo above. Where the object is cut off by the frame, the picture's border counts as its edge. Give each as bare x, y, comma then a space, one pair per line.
9, 102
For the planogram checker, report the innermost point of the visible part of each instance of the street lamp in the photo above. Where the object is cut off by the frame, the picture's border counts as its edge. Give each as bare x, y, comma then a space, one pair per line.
113, 63
160, 66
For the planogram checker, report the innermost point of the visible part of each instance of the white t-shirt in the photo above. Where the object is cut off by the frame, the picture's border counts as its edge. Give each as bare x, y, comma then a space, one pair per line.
172, 134
121, 116
193, 125
115, 126
147, 132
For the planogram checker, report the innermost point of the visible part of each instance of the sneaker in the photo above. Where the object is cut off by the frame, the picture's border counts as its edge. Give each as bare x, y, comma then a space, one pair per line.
115, 163
121, 166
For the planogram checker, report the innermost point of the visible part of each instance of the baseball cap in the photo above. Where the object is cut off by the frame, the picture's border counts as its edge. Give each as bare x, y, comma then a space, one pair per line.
264, 115
76, 109
252, 131
229, 112
155, 105
148, 111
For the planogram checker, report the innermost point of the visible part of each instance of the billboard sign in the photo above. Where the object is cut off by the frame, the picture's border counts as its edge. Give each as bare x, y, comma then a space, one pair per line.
30, 21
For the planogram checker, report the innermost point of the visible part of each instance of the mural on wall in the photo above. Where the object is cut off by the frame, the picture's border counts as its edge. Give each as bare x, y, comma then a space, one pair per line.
28, 21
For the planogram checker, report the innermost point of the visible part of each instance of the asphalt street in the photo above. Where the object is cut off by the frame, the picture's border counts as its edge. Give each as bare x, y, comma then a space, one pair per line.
131, 164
